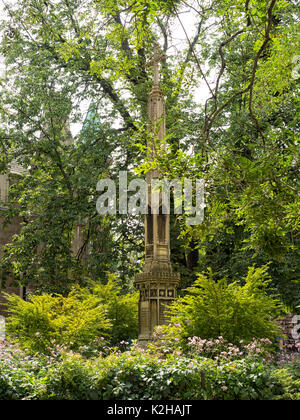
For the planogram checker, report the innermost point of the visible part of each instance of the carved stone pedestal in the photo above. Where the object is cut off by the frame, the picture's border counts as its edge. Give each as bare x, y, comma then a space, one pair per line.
157, 291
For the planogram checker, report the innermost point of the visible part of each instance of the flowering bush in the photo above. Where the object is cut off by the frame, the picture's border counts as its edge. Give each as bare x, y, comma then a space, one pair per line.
139, 374
286, 359
220, 349
23, 376
167, 340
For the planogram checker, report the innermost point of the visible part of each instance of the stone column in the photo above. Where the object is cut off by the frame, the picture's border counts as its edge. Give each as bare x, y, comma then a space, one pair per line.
157, 283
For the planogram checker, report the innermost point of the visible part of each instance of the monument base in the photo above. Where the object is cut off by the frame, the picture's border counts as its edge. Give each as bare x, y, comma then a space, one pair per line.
157, 291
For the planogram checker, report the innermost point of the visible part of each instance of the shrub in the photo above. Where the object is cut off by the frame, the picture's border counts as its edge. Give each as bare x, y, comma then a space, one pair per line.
47, 321
234, 311
168, 340
138, 375
242, 380
220, 349
289, 379
78, 320
122, 309
25, 377
135, 375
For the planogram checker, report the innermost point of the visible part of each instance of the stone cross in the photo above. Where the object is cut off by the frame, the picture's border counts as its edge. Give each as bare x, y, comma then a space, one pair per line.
156, 59
157, 283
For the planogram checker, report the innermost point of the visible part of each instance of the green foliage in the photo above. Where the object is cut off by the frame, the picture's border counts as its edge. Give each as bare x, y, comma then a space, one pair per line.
24, 377
121, 309
240, 135
170, 339
289, 379
134, 376
137, 375
45, 322
233, 310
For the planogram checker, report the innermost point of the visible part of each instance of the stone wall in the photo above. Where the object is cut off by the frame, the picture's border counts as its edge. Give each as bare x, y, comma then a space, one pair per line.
6, 235
14, 228
7, 232
290, 342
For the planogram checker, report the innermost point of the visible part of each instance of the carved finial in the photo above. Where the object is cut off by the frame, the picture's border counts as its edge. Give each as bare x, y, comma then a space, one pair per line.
155, 63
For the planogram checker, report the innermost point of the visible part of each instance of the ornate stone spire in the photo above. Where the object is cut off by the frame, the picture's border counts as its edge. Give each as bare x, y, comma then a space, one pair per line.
156, 59
156, 105
157, 283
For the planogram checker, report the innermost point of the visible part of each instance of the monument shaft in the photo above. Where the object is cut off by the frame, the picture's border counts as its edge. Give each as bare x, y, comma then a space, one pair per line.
157, 283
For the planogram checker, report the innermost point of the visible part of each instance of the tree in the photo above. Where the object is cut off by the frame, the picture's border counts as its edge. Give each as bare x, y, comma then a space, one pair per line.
242, 139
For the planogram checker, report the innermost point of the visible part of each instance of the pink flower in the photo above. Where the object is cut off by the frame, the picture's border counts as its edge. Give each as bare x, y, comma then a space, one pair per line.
224, 388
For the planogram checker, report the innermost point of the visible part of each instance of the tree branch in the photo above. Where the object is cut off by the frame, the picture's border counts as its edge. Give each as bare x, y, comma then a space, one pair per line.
211, 118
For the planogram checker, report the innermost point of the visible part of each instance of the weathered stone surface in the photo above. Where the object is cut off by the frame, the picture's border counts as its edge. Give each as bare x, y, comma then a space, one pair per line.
289, 324
6, 235
8, 231
157, 283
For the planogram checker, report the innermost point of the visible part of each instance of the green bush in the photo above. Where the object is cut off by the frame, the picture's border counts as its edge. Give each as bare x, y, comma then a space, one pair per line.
80, 319
289, 379
234, 310
122, 309
25, 377
144, 376
168, 340
47, 321
135, 375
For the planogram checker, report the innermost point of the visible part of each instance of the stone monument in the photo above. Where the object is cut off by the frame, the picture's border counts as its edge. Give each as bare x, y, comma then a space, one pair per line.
157, 283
